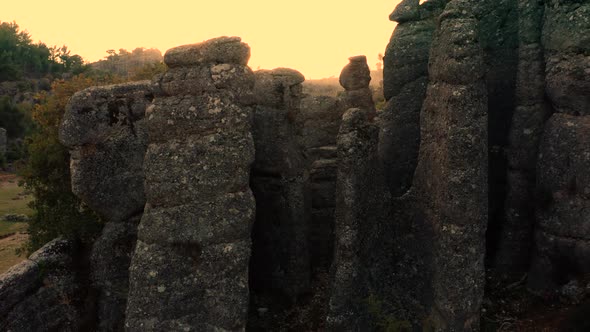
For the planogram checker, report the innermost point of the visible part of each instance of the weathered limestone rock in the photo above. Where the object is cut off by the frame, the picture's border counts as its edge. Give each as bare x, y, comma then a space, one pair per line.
44, 292
405, 77
280, 255
510, 254
563, 223
104, 128
190, 267
355, 78
319, 119
562, 250
357, 214
451, 176
566, 42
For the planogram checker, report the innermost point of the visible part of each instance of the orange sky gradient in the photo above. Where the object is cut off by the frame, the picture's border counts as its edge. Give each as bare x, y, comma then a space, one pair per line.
315, 37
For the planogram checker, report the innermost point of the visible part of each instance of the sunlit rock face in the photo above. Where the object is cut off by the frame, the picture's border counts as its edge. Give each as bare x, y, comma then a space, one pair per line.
190, 266
104, 128
280, 263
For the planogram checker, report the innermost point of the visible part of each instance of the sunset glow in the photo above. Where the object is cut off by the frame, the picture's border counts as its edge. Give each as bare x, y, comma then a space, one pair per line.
315, 37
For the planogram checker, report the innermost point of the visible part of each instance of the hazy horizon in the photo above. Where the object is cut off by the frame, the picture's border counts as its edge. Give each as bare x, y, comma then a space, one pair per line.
314, 37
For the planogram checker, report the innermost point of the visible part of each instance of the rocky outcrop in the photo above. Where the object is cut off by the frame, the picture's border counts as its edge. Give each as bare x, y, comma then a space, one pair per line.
355, 78
405, 77
280, 263
511, 244
190, 266
562, 240
319, 119
451, 175
563, 224
44, 292
358, 211
104, 128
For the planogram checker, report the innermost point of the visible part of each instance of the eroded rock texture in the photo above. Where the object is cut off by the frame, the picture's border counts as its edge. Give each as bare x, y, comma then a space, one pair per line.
44, 292
562, 251
358, 211
451, 176
280, 264
510, 234
563, 222
405, 77
104, 128
319, 119
190, 266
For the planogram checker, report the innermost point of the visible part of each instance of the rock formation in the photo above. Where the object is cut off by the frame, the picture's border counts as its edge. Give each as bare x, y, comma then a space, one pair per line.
44, 292
405, 75
451, 176
319, 119
190, 266
104, 128
484, 144
562, 239
357, 214
280, 255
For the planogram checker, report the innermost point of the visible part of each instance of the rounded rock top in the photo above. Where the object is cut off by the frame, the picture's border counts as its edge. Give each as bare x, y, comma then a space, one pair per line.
217, 50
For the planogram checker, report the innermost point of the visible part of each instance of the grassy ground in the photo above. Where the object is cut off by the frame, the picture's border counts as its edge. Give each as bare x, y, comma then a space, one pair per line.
12, 201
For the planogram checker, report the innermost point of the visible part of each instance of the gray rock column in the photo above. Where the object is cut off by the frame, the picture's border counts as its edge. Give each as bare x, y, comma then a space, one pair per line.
355, 78
357, 211
451, 176
562, 229
319, 120
405, 77
104, 128
190, 267
515, 238
280, 263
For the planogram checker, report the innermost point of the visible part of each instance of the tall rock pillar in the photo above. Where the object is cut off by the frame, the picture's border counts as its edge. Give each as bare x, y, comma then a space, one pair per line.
190, 267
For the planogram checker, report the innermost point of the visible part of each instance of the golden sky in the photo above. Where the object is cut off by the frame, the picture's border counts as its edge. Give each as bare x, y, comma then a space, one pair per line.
315, 37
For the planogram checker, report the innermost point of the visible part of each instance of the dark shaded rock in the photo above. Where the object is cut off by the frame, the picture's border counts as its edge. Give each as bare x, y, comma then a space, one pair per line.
357, 213
280, 254
563, 182
43, 293
355, 75
510, 234
407, 10
451, 176
319, 119
405, 77
566, 42
200, 150
355, 78
110, 259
